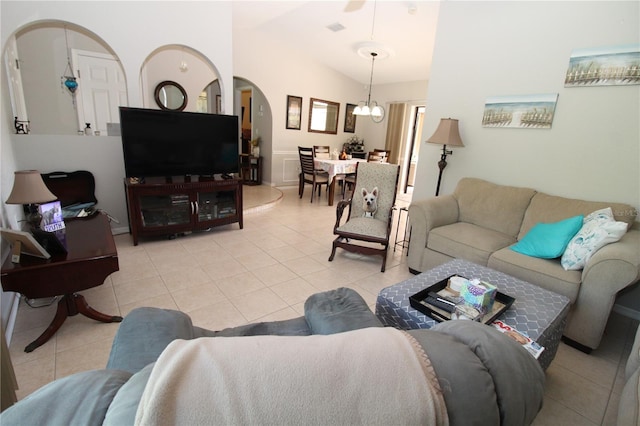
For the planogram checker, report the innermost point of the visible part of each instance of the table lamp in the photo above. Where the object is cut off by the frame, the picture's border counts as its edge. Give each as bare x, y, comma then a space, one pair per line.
446, 134
30, 189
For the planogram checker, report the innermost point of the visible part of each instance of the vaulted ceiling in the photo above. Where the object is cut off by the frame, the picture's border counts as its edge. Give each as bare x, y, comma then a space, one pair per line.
401, 32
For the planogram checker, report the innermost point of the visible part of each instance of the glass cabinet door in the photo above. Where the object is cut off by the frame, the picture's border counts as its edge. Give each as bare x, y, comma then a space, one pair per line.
165, 210
216, 205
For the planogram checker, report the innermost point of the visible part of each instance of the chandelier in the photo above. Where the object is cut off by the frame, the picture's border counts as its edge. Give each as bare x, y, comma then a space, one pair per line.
369, 107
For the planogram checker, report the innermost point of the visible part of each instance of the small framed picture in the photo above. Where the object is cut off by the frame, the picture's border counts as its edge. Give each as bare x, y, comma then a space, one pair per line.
349, 119
294, 112
28, 244
51, 216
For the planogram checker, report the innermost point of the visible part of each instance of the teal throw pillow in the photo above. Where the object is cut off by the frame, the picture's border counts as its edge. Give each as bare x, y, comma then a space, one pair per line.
549, 240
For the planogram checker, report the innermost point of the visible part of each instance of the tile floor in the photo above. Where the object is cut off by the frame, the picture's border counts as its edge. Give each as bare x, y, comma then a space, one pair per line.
228, 277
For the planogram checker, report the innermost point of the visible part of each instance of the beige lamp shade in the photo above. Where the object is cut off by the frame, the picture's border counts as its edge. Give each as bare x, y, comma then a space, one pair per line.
29, 188
447, 133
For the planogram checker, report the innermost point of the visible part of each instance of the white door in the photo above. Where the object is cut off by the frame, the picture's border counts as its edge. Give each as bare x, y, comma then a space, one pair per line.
12, 64
101, 89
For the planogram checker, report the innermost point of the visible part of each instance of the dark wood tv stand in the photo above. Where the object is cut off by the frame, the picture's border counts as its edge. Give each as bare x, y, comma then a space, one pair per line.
162, 206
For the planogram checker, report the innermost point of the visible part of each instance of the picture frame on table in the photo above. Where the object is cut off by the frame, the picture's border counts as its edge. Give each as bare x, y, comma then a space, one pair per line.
294, 112
349, 119
28, 244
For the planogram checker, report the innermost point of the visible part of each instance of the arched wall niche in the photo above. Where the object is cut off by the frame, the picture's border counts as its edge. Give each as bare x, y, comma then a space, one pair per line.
43, 56
185, 66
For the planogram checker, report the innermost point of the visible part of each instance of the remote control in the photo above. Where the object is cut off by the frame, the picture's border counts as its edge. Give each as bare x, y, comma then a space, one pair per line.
437, 301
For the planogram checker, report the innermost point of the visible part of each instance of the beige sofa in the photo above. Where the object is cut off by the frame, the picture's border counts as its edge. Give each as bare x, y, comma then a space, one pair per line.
481, 220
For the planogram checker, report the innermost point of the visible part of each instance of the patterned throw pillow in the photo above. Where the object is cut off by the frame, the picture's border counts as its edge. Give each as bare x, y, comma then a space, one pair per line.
598, 230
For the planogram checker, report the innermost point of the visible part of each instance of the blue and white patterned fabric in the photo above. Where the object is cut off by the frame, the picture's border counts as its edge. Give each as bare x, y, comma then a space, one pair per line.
599, 229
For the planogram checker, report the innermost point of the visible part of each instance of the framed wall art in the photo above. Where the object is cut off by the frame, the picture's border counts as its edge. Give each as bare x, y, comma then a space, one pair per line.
604, 66
294, 112
520, 112
349, 119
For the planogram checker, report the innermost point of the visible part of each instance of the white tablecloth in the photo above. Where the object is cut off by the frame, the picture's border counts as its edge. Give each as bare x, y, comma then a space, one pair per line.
337, 167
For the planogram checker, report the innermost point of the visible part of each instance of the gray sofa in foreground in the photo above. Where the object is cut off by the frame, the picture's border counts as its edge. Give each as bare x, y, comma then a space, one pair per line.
481, 220
483, 375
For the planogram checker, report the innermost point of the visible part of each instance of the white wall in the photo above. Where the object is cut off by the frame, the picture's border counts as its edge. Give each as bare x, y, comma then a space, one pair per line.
133, 30
512, 48
280, 72
165, 65
43, 61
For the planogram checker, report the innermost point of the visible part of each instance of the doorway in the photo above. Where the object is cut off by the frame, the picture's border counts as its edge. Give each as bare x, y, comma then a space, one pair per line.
102, 91
413, 151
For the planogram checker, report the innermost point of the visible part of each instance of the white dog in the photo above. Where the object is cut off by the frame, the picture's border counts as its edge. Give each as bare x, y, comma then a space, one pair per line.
370, 203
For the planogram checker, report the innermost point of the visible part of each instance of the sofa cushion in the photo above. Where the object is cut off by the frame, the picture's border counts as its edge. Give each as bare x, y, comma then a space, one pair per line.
496, 207
598, 230
467, 241
546, 273
548, 208
549, 240
79, 399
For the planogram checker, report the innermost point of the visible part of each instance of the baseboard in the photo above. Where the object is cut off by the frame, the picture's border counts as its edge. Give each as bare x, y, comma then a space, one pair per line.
627, 312
120, 230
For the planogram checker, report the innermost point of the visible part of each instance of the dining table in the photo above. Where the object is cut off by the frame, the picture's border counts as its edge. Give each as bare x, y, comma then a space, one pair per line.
336, 168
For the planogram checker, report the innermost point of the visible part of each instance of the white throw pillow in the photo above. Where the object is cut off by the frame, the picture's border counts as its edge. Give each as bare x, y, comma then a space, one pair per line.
598, 229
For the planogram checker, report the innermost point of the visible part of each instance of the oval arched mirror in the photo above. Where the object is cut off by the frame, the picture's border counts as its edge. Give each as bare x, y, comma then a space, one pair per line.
170, 95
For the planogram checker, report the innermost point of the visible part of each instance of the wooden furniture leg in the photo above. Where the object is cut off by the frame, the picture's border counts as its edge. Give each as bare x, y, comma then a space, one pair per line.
70, 305
332, 190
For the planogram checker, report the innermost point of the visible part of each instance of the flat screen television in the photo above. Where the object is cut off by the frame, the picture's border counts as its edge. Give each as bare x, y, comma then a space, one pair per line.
159, 143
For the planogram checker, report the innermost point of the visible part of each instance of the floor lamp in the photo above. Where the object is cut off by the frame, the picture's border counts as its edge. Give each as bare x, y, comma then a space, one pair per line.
446, 134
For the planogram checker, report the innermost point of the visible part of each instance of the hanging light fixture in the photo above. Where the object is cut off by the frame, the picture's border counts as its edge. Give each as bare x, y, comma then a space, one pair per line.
368, 107
184, 66
69, 79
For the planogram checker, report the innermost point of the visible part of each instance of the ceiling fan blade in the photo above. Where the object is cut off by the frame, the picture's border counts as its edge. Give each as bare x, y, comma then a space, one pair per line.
354, 5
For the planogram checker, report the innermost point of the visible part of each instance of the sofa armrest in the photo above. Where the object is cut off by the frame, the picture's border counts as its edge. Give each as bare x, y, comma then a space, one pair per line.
620, 261
424, 215
432, 213
611, 269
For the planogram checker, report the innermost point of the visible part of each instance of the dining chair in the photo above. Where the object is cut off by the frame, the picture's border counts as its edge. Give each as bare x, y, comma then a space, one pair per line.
386, 153
367, 230
309, 174
375, 157
322, 151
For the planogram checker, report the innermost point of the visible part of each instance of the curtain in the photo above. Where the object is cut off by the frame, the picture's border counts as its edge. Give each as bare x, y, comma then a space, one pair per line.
396, 132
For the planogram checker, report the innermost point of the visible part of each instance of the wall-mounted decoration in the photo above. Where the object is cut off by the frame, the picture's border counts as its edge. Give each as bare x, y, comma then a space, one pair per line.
350, 119
294, 112
604, 66
522, 112
323, 116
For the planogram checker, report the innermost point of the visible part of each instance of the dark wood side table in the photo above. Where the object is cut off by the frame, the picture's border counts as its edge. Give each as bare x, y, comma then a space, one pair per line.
250, 169
91, 257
